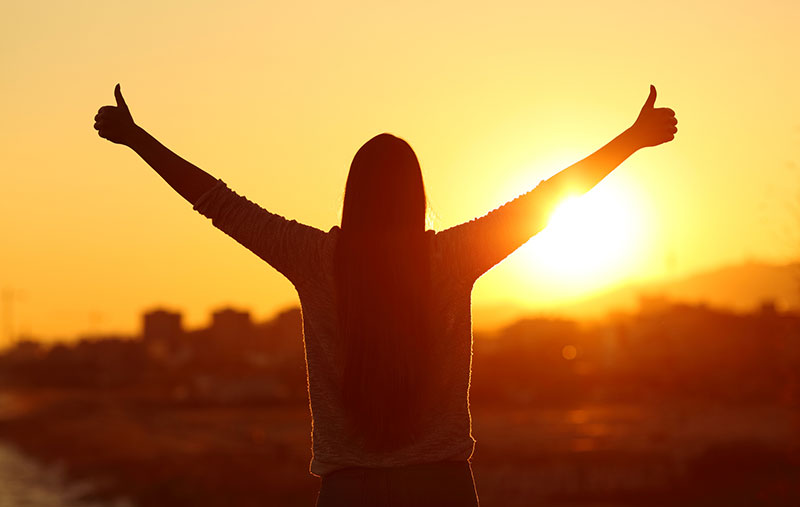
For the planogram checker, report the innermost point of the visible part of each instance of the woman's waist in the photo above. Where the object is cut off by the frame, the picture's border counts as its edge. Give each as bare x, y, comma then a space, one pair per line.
442, 483
449, 466
446, 454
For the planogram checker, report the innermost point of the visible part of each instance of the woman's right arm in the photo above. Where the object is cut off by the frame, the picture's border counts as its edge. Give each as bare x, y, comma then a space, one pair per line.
116, 124
474, 247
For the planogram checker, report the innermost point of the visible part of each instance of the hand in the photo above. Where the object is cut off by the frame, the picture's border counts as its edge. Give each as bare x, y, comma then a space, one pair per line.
115, 122
654, 126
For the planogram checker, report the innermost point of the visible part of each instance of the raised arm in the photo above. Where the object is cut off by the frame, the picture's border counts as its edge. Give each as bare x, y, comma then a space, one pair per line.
294, 249
116, 124
474, 247
653, 126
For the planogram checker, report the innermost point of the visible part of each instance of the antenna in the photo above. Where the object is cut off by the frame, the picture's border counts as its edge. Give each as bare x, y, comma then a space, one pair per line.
9, 296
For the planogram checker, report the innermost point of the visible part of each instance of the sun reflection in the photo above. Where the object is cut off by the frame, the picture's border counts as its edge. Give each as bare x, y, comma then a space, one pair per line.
578, 416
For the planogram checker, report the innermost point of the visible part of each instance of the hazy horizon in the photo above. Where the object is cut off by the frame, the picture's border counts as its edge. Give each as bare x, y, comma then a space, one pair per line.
697, 288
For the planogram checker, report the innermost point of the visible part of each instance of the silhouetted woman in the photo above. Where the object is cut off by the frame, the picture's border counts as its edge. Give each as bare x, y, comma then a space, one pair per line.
386, 305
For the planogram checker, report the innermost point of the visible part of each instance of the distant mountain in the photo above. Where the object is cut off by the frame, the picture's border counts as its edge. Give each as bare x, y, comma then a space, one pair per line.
741, 287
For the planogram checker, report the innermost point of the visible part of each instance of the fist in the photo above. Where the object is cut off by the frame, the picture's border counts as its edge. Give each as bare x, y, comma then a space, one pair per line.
655, 125
115, 122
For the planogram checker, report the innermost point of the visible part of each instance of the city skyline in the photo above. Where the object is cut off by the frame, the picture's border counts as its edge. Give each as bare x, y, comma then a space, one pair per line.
742, 289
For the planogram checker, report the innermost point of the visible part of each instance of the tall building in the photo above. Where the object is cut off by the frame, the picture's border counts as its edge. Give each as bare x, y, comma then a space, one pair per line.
229, 323
162, 326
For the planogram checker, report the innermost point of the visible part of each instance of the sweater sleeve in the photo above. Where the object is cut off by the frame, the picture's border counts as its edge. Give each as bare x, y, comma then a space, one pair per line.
472, 248
290, 247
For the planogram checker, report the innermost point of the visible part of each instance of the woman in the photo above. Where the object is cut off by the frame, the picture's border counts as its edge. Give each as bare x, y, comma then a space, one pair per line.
386, 305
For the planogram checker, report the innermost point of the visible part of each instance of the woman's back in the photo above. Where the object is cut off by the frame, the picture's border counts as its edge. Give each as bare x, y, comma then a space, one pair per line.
306, 256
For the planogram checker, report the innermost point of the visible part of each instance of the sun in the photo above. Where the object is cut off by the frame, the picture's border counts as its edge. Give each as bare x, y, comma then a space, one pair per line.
590, 241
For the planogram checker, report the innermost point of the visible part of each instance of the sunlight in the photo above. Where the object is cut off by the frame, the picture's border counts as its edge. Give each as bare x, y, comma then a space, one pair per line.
590, 240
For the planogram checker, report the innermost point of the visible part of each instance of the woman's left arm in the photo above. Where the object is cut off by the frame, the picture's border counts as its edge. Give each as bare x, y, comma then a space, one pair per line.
292, 248
116, 124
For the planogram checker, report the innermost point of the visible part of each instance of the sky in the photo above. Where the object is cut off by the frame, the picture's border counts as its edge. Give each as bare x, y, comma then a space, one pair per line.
275, 99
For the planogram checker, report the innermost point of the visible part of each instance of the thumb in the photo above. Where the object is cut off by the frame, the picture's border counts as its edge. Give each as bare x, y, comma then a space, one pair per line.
651, 99
118, 95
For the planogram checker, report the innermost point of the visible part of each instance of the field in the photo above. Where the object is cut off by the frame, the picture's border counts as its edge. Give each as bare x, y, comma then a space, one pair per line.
150, 452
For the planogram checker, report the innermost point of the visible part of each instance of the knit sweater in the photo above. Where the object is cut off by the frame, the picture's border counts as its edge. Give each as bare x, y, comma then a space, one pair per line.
305, 255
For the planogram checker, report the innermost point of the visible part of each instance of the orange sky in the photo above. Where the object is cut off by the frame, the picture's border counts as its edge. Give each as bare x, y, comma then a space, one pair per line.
276, 99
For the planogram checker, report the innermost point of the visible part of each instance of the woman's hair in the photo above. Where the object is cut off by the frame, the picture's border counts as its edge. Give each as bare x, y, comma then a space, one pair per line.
383, 293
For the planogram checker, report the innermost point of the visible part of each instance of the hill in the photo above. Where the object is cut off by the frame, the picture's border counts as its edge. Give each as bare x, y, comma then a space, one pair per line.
741, 287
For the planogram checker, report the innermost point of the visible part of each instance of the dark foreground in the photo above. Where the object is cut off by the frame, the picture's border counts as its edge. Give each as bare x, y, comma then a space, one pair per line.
158, 453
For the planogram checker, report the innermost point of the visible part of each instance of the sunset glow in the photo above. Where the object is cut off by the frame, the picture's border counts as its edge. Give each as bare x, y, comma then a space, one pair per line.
275, 99
602, 308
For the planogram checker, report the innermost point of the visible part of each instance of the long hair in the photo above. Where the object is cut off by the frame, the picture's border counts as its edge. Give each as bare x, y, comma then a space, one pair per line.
383, 293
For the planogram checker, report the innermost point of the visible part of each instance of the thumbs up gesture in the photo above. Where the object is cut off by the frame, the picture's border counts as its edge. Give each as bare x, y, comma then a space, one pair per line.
115, 122
655, 125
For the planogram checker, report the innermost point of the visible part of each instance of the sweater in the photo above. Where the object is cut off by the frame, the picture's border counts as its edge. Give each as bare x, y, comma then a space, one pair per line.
305, 255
